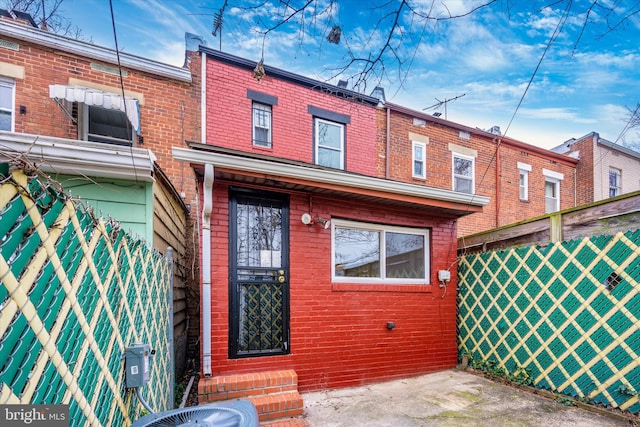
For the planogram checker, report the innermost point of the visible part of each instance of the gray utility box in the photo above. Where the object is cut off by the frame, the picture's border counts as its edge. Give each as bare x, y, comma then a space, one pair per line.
136, 363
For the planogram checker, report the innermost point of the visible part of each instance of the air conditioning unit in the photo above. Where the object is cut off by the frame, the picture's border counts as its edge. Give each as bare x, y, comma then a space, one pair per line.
238, 413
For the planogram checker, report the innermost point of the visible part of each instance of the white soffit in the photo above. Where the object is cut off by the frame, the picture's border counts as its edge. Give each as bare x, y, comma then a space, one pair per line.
325, 176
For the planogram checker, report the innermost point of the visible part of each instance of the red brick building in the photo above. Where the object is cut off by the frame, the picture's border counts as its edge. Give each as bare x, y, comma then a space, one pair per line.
312, 261
62, 108
522, 181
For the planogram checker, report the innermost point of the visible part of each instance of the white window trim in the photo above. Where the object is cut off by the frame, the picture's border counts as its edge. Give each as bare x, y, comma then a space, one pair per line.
425, 232
473, 171
265, 107
556, 183
423, 147
318, 120
524, 169
12, 85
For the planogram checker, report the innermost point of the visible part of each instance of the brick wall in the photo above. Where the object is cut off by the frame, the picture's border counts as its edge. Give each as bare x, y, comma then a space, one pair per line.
439, 169
338, 331
229, 117
169, 114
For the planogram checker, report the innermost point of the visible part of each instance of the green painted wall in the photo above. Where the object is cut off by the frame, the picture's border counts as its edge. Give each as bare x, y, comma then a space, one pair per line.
129, 202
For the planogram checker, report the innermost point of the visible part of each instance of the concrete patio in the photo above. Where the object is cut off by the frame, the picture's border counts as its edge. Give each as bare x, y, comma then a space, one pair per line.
448, 398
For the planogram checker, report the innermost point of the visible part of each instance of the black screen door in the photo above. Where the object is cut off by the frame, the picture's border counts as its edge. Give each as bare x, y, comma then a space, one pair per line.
259, 274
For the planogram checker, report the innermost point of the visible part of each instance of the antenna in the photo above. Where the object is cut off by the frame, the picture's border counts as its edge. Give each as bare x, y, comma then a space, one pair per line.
440, 103
217, 25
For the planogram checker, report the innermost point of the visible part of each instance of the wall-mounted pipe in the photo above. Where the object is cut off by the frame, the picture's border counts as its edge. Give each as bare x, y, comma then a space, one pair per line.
206, 268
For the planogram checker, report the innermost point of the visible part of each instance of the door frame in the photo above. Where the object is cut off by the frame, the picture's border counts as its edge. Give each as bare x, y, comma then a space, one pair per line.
236, 193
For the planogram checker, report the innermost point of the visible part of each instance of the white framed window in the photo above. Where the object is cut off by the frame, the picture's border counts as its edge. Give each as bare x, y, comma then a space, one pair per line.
551, 195
524, 170
374, 253
552, 190
418, 160
463, 173
104, 125
615, 182
7, 103
329, 143
261, 124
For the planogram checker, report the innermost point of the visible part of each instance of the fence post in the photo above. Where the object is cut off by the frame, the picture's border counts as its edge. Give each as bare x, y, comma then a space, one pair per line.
172, 364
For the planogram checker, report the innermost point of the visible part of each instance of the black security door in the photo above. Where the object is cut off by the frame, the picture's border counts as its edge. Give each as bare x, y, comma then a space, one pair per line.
259, 274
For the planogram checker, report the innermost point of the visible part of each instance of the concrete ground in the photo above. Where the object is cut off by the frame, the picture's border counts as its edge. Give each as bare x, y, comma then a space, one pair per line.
449, 398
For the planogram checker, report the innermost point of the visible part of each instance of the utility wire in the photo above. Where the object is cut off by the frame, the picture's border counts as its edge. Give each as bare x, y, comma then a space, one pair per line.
124, 99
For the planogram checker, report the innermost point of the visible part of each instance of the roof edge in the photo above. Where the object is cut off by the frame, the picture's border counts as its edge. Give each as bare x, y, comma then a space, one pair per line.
88, 50
74, 157
288, 76
504, 140
324, 175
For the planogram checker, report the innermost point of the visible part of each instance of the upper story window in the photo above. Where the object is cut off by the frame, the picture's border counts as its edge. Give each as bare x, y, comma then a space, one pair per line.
463, 173
261, 125
329, 146
262, 118
615, 182
524, 170
374, 253
329, 129
551, 196
419, 155
99, 124
552, 190
7, 97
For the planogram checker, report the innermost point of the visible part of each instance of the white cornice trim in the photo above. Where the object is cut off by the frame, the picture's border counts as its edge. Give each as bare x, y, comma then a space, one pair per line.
88, 50
325, 176
72, 157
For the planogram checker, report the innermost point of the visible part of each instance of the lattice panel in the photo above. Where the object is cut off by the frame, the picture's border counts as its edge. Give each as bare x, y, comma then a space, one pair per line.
261, 326
568, 313
74, 292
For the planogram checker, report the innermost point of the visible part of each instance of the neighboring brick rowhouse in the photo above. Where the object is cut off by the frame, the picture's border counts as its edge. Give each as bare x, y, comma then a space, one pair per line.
169, 110
444, 137
339, 336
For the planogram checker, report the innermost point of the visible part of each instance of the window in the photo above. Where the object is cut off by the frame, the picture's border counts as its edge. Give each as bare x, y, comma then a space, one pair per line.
615, 186
99, 124
552, 190
551, 193
329, 143
524, 180
419, 170
261, 125
7, 95
463, 173
373, 253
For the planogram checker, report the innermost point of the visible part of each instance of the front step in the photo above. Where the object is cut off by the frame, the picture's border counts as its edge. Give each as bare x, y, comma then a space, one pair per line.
274, 394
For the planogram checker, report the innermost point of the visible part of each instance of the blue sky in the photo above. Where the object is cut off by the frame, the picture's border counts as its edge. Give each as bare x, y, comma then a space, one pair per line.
585, 82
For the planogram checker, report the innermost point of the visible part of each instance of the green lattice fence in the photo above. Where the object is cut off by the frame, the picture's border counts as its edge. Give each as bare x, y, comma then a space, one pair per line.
74, 292
565, 316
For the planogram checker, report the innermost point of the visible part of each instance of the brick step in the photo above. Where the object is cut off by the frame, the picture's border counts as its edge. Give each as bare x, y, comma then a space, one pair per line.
242, 386
274, 394
278, 405
286, 422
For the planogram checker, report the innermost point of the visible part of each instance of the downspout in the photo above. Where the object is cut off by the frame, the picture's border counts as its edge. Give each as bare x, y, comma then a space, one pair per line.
498, 183
203, 99
386, 157
206, 268
207, 208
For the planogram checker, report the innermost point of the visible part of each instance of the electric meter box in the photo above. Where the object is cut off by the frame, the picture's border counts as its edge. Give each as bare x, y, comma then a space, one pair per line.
136, 362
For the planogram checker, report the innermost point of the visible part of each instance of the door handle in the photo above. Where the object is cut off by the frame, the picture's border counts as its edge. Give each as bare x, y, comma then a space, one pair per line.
281, 279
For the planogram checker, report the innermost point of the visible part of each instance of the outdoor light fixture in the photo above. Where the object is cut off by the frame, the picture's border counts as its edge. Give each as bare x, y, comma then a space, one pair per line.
325, 222
307, 219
